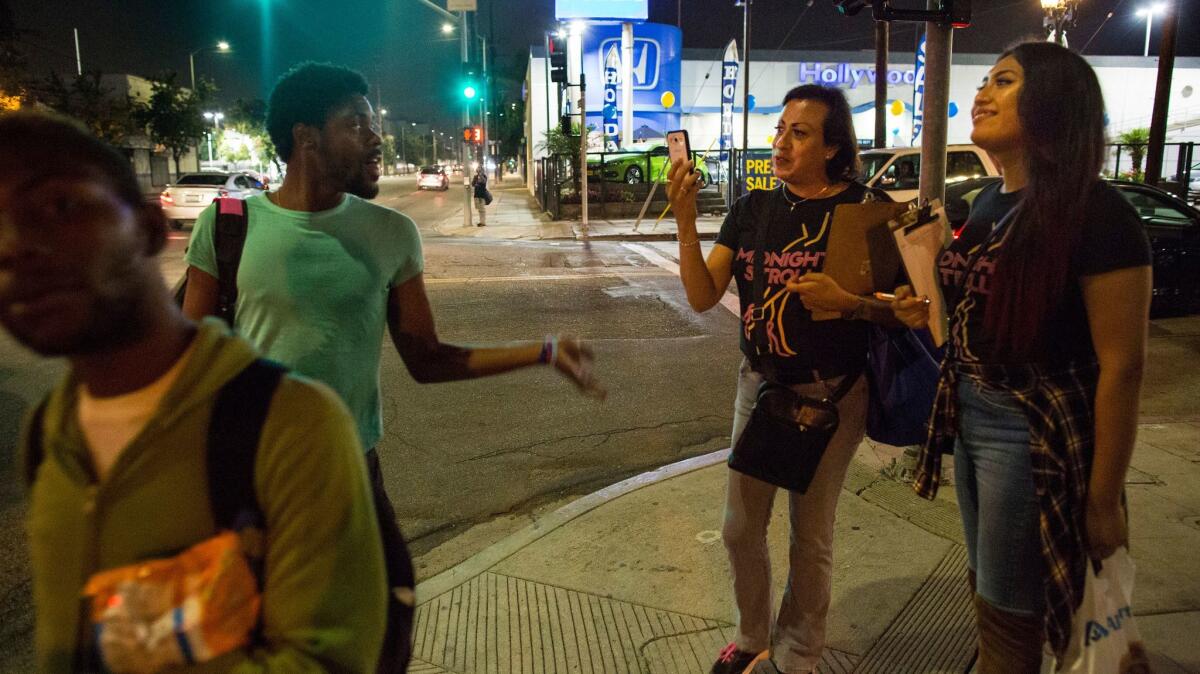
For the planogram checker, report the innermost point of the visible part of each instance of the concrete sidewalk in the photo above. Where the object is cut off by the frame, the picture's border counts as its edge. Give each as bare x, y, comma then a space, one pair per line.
634, 578
515, 214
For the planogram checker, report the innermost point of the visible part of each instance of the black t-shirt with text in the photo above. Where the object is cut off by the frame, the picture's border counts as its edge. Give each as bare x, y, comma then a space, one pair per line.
796, 241
1112, 238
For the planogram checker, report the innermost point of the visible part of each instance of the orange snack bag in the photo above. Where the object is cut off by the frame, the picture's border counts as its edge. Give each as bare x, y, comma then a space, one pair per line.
190, 608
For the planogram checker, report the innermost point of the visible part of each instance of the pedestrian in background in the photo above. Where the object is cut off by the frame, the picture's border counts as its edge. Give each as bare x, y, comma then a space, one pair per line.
816, 159
1049, 292
482, 196
120, 454
324, 271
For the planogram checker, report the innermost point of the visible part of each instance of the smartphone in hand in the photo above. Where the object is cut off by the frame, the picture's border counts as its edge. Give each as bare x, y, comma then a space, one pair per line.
678, 145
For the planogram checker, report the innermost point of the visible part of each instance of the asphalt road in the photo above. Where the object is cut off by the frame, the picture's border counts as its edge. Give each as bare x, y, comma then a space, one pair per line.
467, 463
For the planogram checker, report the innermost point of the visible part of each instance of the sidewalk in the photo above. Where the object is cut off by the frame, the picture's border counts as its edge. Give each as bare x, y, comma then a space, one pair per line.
634, 578
514, 214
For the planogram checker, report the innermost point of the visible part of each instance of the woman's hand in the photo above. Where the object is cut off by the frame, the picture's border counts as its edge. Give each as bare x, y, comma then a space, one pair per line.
819, 292
681, 190
910, 310
574, 359
1106, 528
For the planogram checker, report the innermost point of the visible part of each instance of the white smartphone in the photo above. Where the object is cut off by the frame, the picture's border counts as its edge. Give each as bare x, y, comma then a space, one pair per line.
678, 145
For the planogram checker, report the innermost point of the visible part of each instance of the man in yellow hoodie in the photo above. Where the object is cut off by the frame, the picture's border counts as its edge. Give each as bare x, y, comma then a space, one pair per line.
121, 448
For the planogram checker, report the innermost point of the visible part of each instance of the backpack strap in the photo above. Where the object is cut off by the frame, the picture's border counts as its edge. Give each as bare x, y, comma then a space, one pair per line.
35, 451
233, 436
229, 238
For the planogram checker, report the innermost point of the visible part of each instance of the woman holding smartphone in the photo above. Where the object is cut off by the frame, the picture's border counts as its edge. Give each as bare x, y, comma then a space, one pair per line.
1049, 292
816, 161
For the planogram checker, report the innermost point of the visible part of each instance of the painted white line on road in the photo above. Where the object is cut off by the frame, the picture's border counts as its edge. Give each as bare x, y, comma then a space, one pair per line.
728, 300
544, 277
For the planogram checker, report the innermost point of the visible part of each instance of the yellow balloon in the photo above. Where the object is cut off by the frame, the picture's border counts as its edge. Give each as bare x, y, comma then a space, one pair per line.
668, 99
897, 107
771, 140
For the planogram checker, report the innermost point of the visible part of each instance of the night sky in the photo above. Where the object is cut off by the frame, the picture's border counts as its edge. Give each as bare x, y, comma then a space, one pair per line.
398, 43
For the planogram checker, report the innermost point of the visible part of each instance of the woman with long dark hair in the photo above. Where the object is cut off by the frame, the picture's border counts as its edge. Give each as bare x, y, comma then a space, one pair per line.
1049, 292
815, 159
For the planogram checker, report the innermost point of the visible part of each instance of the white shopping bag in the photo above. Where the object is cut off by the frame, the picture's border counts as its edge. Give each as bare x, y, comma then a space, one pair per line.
1104, 636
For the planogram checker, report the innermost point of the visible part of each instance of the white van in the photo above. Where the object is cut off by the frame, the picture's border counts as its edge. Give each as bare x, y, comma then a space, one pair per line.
897, 170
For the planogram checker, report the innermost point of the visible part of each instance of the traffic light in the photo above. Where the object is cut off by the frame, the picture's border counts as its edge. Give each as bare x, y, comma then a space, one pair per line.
558, 59
470, 81
851, 7
958, 12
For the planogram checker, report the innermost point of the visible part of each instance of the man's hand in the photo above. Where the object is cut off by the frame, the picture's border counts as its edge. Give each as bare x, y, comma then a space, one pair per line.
819, 292
1106, 528
911, 311
682, 188
574, 359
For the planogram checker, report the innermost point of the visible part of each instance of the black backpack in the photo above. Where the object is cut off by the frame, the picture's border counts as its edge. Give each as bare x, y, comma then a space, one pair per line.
232, 446
229, 237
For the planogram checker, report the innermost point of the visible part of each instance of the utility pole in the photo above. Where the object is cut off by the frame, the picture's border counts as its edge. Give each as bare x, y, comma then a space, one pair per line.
745, 77
939, 45
466, 54
882, 45
1162, 96
583, 148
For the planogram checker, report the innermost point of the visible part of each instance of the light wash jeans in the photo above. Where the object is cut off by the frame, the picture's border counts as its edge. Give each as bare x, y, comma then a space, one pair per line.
481, 207
799, 630
993, 477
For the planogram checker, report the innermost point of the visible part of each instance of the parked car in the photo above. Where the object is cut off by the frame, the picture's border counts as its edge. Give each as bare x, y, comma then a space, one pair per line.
1172, 226
631, 164
897, 170
433, 178
193, 192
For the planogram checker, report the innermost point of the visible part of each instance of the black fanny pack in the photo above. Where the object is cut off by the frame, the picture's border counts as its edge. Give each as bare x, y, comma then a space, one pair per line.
787, 434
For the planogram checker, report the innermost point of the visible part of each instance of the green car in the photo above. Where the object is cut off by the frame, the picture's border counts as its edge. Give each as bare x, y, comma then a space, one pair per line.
629, 165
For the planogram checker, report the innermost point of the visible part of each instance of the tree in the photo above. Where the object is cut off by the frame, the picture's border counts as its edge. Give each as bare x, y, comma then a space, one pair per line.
12, 61
1137, 140
106, 114
174, 114
388, 148
511, 128
416, 148
250, 118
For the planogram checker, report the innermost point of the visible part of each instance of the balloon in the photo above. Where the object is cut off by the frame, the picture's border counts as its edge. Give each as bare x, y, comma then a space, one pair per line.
897, 107
668, 99
953, 108
751, 101
771, 140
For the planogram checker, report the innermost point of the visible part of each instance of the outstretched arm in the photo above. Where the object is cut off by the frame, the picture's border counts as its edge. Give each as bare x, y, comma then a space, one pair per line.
429, 360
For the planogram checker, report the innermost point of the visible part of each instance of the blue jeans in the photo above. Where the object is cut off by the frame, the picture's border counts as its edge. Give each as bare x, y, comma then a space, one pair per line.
993, 478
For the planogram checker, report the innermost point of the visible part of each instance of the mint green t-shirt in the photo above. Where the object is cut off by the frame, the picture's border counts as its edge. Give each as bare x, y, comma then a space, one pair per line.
313, 289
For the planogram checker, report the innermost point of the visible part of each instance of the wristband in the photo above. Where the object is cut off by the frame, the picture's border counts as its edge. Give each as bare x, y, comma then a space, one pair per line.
549, 354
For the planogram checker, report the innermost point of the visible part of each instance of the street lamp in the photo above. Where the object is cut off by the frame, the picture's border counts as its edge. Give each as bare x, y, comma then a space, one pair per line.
1060, 15
447, 28
221, 46
215, 118
1149, 13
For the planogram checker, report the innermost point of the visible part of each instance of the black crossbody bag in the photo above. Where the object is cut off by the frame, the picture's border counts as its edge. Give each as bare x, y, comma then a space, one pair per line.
788, 432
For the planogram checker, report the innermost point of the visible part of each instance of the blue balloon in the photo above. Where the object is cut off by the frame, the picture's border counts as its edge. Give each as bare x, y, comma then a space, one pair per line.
751, 101
953, 108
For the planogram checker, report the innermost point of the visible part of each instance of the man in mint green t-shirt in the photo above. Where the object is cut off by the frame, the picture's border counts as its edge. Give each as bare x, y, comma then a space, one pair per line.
323, 271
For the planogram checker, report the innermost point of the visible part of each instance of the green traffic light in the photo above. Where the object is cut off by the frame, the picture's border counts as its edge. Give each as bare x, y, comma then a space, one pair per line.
469, 91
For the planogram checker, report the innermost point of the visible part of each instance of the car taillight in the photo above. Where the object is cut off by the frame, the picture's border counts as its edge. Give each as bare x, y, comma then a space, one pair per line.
165, 199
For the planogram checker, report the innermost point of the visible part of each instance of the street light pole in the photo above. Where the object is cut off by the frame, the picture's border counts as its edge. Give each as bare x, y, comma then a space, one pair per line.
221, 46
1060, 15
1149, 12
745, 76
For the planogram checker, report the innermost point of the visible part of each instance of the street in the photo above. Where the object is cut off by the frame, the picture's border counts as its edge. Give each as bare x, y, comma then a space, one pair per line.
468, 464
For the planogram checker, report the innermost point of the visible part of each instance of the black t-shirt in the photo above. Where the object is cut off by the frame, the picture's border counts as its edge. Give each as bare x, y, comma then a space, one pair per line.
796, 243
1112, 238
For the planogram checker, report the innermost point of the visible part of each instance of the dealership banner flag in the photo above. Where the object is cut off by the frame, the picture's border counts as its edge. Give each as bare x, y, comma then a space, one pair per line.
729, 75
612, 76
918, 114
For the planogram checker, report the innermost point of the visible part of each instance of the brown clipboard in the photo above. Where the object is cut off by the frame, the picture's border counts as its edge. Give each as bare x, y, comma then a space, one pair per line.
860, 254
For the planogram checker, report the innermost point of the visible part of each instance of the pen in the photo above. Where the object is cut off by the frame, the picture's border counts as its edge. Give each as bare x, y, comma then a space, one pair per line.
889, 297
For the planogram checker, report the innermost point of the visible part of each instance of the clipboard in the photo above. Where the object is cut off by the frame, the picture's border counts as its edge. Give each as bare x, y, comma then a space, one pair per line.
920, 237
860, 254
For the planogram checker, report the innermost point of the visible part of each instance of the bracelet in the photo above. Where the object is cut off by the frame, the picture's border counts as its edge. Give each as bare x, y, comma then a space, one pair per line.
549, 353
685, 244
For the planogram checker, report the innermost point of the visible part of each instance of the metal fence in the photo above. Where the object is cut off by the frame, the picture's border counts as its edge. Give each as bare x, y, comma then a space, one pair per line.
618, 182
1180, 166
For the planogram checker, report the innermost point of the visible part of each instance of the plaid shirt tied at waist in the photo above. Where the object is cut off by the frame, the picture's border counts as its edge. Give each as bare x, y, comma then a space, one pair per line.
1059, 405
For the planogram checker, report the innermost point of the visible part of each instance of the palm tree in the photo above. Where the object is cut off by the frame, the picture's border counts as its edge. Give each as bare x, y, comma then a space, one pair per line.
1137, 140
